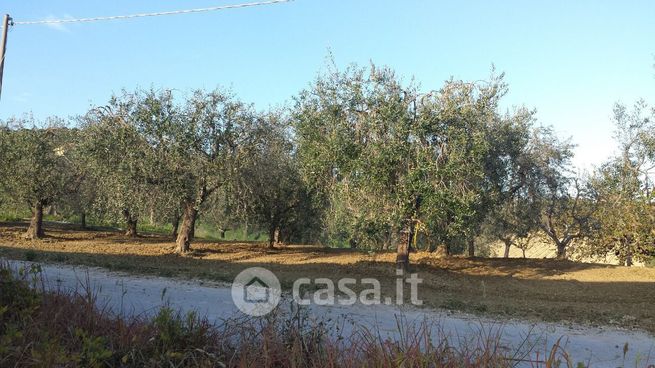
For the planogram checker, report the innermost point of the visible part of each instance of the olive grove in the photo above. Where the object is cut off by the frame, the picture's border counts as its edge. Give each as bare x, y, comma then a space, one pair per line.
360, 159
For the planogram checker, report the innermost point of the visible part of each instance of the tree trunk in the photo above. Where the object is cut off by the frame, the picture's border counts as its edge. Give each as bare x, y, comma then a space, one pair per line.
131, 229
387, 241
175, 223
273, 233
471, 247
628, 257
130, 222
35, 231
406, 238
561, 251
403, 249
186, 229
83, 220
523, 250
508, 245
193, 226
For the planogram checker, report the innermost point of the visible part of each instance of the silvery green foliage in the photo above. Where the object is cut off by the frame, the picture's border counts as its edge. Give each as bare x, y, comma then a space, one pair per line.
624, 189
118, 157
36, 161
538, 189
383, 155
205, 143
268, 184
151, 153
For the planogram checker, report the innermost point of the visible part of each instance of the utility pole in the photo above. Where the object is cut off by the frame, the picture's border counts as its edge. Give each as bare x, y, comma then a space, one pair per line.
3, 45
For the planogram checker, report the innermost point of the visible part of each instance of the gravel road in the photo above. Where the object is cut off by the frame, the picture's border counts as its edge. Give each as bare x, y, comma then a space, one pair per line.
129, 294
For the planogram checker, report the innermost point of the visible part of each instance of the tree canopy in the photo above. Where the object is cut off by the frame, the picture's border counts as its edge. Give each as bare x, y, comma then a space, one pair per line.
361, 158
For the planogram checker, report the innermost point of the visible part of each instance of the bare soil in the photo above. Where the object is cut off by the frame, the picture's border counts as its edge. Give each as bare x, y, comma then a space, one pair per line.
531, 289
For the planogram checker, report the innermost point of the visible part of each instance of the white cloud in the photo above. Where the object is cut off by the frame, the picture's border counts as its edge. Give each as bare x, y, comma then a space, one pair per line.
61, 27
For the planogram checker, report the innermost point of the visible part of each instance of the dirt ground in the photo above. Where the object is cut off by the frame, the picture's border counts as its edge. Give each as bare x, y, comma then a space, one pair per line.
532, 289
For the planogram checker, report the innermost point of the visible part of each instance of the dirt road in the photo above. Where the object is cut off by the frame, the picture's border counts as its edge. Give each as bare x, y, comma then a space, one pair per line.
544, 290
129, 294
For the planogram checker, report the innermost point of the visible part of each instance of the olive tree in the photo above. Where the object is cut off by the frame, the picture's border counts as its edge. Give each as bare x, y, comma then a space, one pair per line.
471, 152
82, 194
567, 214
565, 201
625, 189
533, 186
119, 158
352, 131
204, 144
512, 222
36, 166
394, 160
268, 178
544, 194
145, 145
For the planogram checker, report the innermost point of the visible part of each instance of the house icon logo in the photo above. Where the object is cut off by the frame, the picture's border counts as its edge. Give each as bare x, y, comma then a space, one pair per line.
256, 291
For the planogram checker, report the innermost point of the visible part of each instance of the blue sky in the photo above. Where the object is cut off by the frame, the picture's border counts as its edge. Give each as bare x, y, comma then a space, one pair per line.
571, 60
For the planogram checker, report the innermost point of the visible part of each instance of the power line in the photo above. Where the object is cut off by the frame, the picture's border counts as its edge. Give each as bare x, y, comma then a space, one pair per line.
142, 15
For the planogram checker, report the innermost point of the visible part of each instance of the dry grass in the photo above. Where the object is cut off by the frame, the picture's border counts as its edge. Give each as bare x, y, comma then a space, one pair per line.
546, 290
59, 329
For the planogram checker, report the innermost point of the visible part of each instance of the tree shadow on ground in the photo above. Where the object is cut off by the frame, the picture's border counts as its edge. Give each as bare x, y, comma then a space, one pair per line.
627, 304
201, 248
546, 267
499, 287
